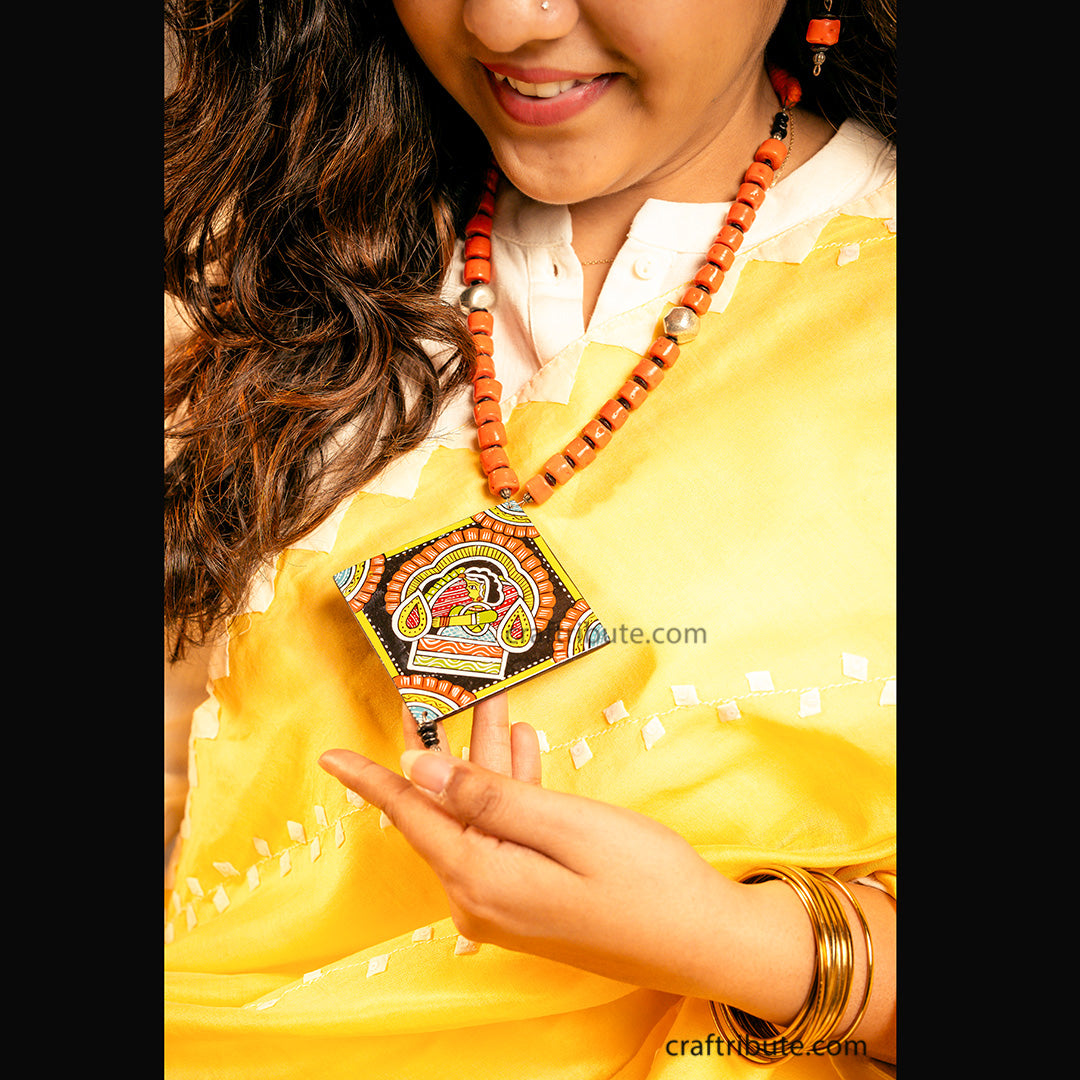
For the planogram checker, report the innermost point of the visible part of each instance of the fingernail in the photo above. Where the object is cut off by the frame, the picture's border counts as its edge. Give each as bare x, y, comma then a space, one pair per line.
334, 760
427, 770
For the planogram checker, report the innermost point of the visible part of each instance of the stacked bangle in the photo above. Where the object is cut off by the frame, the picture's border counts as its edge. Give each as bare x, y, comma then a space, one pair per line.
834, 970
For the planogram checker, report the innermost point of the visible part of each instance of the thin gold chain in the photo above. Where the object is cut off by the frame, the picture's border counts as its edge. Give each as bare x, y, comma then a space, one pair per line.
790, 145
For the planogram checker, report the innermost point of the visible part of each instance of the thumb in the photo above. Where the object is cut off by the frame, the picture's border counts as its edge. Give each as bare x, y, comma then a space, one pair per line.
469, 792
428, 771
509, 809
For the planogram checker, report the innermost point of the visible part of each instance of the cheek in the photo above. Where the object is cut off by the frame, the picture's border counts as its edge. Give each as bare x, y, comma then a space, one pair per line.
430, 25
419, 18
706, 39
691, 62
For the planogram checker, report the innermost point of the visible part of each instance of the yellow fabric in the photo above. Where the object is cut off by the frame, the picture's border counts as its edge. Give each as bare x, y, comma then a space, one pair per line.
751, 497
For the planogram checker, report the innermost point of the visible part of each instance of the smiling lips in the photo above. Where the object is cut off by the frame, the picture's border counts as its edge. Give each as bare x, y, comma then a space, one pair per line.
543, 89
541, 97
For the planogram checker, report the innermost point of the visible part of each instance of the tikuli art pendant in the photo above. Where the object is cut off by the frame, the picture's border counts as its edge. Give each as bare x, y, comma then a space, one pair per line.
469, 612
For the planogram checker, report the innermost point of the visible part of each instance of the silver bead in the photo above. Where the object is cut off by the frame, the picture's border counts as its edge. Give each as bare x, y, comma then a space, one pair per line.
682, 324
477, 298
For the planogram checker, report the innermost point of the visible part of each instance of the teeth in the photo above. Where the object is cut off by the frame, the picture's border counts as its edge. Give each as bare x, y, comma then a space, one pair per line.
541, 90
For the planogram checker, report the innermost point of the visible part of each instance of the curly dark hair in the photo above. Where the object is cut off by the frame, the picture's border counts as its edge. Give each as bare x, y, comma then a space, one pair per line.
309, 214
316, 178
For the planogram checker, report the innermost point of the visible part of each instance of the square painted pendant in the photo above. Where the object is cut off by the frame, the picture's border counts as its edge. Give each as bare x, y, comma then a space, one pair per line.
469, 612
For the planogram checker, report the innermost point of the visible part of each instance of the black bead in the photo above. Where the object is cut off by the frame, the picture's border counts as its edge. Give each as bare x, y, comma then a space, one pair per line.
429, 734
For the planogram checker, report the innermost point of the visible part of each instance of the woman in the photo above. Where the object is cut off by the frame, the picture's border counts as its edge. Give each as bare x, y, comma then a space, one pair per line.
463, 919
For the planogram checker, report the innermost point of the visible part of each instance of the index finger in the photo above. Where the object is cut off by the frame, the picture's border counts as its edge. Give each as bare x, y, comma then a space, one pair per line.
410, 811
551, 826
433, 832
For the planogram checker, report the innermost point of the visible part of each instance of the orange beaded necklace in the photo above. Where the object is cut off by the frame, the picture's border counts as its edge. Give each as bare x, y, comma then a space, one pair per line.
680, 324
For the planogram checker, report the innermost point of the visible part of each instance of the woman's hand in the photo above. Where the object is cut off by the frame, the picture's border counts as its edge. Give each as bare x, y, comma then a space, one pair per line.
596, 886
548, 873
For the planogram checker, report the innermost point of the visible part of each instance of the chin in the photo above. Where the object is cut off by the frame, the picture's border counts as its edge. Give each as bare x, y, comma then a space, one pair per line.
556, 183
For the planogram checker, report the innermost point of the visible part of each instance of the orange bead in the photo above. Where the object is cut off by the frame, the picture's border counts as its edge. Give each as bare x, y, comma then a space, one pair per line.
483, 344
709, 278
478, 247
721, 256
494, 457
665, 351
487, 389
759, 173
633, 394
558, 468
650, 373
787, 87
491, 178
581, 453
539, 490
741, 216
481, 322
491, 434
751, 194
501, 479
596, 433
483, 367
487, 412
772, 152
479, 225
614, 413
730, 235
823, 31
487, 204
696, 300
477, 271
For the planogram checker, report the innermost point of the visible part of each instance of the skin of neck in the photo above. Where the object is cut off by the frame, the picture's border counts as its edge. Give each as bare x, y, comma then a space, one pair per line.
705, 172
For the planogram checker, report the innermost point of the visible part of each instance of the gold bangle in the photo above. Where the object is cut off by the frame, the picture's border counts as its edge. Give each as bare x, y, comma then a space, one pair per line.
834, 880
830, 990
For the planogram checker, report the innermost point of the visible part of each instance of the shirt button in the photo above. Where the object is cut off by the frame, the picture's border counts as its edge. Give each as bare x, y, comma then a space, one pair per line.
645, 267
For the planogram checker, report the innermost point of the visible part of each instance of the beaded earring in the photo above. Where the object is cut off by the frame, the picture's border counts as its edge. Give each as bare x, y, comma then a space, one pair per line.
821, 33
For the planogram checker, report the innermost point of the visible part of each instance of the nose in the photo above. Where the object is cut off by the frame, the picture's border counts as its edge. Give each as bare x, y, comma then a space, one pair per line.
505, 25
